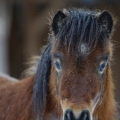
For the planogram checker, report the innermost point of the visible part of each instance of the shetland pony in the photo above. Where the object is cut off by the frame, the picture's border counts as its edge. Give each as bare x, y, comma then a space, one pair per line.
73, 77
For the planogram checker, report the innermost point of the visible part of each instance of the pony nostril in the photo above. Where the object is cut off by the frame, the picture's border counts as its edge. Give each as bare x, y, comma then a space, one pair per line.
69, 115
85, 115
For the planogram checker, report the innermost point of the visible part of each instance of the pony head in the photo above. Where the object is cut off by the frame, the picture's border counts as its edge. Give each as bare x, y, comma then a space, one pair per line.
72, 76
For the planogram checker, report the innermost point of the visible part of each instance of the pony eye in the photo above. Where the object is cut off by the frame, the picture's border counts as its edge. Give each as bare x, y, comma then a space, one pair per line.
102, 67
57, 65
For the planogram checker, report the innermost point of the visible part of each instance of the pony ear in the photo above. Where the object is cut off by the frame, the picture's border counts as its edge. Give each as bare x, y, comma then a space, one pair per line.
57, 21
42, 77
106, 20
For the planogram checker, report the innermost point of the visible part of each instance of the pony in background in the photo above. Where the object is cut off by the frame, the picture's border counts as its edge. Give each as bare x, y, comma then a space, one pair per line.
72, 79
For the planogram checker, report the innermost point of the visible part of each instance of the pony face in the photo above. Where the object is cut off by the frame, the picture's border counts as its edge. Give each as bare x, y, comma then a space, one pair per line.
80, 60
79, 84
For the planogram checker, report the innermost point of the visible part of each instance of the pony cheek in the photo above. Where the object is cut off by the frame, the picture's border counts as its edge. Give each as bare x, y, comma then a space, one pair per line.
58, 85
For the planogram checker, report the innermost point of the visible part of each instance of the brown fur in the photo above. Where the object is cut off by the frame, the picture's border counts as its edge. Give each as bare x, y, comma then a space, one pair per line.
107, 109
16, 99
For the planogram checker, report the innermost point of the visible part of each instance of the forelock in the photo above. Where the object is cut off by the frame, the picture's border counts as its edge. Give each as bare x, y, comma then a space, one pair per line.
81, 30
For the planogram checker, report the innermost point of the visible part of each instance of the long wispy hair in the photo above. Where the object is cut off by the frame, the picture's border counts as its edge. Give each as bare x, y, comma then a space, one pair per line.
41, 80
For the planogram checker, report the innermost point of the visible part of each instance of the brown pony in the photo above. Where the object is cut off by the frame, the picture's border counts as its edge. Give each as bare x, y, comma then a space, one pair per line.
73, 77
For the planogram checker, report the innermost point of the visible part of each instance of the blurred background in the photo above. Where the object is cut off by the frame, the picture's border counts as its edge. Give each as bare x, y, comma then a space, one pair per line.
24, 30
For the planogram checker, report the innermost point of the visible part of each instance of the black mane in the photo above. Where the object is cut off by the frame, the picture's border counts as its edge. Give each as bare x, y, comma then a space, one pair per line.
41, 82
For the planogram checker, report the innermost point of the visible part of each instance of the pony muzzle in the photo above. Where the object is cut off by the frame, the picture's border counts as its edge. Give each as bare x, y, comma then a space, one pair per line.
69, 115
